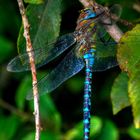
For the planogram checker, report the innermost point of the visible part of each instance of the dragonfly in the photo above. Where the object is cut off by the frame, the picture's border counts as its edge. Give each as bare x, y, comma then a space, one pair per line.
88, 49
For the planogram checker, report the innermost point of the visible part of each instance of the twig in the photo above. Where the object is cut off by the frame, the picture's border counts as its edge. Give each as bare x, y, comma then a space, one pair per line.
113, 29
12, 109
32, 65
87, 3
136, 6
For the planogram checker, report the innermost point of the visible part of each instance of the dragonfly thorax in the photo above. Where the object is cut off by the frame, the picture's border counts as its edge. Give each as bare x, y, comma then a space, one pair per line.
85, 31
86, 17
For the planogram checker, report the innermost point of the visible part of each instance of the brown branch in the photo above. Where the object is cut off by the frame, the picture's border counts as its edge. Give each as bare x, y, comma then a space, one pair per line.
29, 49
12, 109
113, 29
87, 3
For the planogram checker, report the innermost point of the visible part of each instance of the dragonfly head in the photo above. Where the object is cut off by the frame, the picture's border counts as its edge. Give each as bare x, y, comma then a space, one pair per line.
89, 13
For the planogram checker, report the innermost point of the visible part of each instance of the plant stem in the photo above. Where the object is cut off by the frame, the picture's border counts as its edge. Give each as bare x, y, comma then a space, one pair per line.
12, 109
29, 49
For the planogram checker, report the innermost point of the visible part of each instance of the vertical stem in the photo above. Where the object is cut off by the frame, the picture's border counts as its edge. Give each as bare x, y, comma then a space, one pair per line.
29, 49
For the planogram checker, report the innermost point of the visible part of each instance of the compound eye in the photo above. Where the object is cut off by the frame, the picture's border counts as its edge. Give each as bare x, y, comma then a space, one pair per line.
87, 11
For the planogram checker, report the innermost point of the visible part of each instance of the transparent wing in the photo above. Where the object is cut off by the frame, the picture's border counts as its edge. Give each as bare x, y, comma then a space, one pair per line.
105, 56
115, 12
66, 69
42, 55
102, 64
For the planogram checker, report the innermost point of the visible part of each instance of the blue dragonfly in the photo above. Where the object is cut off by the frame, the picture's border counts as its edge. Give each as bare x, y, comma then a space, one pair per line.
87, 50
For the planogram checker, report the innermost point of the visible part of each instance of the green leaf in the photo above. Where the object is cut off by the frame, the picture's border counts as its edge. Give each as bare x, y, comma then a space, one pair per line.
75, 84
22, 91
34, 1
109, 132
134, 133
47, 135
77, 132
134, 95
8, 127
129, 60
30, 136
44, 20
5, 48
129, 51
25, 88
96, 125
48, 112
119, 93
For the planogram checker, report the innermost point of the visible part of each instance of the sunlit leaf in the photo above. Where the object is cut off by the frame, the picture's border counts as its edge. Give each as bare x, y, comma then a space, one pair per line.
96, 125
129, 60
108, 132
34, 1
119, 93
77, 132
128, 51
134, 95
134, 133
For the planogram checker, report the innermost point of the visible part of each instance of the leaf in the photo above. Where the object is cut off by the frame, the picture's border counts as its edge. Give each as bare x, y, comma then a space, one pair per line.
8, 127
22, 91
96, 125
77, 132
44, 20
109, 132
24, 88
48, 112
44, 136
128, 54
129, 60
134, 95
75, 84
29, 136
119, 93
47, 135
34, 1
134, 133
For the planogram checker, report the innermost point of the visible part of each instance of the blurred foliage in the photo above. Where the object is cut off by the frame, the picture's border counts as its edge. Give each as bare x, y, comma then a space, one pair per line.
61, 111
